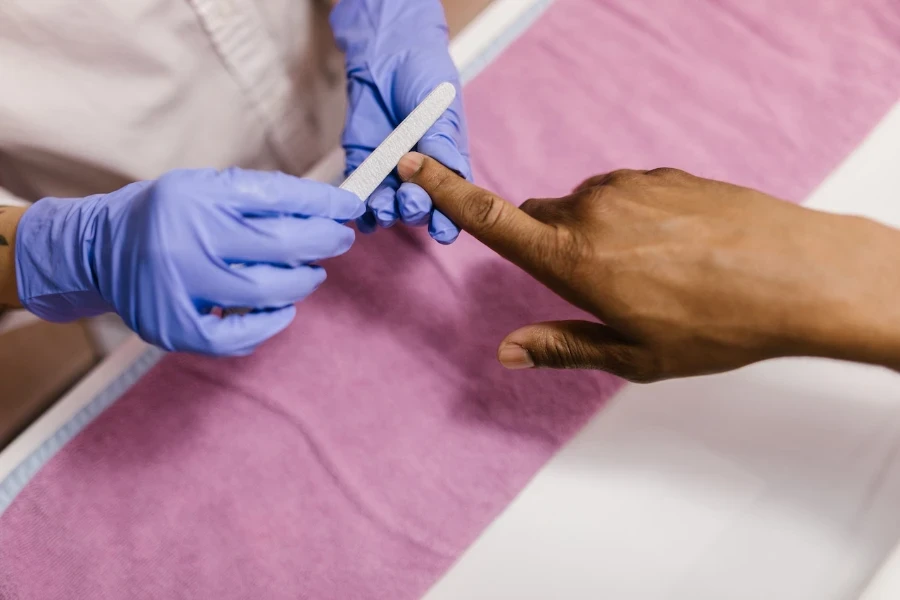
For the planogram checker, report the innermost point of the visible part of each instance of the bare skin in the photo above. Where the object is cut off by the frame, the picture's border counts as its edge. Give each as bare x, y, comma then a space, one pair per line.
9, 221
686, 276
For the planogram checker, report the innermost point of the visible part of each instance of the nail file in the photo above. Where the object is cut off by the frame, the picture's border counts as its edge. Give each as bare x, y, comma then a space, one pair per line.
378, 165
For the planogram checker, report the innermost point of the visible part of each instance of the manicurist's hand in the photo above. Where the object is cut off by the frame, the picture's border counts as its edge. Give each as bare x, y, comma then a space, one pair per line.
686, 276
397, 52
162, 254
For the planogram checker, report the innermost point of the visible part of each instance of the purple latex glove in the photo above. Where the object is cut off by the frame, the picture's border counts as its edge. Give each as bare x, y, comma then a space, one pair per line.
397, 53
160, 254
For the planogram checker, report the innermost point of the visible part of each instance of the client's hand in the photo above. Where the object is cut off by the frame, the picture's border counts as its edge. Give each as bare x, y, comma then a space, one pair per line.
689, 276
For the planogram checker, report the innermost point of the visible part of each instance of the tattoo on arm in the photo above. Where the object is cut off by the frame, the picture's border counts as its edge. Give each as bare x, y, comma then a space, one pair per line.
3, 241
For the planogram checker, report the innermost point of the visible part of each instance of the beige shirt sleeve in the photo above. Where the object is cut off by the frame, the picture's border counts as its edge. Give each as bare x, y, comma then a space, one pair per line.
99, 93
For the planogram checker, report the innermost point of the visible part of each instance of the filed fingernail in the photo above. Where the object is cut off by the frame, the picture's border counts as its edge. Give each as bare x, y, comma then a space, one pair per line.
515, 357
409, 165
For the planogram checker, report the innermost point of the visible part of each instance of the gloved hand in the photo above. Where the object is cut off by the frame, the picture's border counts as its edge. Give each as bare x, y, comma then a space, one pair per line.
397, 52
158, 253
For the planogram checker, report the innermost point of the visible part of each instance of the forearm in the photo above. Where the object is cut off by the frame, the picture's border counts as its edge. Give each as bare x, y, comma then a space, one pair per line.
878, 313
9, 220
858, 318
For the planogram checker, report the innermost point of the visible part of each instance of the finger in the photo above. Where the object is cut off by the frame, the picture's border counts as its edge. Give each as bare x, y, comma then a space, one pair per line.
442, 229
443, 143
261, 193
367, 223
383, 206
575, 345
489, 218
414, 204
239, 335
286, 241
261, 287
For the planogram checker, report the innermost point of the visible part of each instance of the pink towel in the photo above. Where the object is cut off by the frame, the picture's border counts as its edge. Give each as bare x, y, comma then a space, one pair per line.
358, 454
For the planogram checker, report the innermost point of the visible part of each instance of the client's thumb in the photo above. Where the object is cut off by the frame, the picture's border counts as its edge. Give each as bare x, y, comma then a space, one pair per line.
573, 345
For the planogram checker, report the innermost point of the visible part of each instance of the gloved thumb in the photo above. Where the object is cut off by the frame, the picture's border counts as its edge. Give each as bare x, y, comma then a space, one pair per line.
575, 345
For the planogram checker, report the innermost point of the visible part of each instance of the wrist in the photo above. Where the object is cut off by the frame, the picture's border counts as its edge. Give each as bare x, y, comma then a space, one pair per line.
53, 261
858, 314
9, 223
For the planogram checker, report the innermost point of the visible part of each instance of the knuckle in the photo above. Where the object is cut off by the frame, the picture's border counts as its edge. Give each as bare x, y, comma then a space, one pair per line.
592, 182
598, 195
485, 211
596, 203
622, 177
434, 179
667, 173
561, 351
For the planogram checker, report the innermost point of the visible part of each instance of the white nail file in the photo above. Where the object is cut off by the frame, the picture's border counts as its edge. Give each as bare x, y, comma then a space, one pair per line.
369, 175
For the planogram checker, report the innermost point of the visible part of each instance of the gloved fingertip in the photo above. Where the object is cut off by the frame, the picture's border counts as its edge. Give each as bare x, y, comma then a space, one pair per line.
345, 241
442, 229
446, 237
359, 208
345, 206
414, 204
386, 219
319, 276
366, 223
382, 204
360, 214
241, 334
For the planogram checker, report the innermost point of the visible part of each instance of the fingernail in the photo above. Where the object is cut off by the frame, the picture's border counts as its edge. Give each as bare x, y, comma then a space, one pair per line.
409, 165
515, 357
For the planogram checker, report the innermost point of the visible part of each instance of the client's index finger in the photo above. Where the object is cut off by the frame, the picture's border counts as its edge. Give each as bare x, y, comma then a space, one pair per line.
492, 220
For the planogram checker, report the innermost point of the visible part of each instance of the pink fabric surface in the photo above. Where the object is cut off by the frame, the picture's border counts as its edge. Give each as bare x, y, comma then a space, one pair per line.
359, 454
